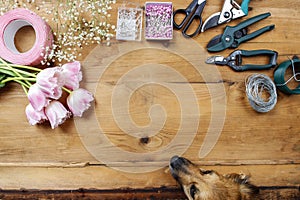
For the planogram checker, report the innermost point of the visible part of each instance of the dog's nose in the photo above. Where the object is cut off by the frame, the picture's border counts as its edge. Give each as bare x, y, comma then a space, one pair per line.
173, 159
177, 162
173, 162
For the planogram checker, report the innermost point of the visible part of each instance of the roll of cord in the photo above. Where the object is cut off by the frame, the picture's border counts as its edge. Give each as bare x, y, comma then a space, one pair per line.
279, 76
256, 85
14, 20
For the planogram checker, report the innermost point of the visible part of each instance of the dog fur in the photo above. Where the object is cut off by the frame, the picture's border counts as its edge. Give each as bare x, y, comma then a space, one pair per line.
200, 184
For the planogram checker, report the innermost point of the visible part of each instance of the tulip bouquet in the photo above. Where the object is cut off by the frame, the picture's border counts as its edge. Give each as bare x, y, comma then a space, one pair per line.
44, 89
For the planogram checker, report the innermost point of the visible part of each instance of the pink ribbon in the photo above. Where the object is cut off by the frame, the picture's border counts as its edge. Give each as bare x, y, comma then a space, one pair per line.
13, 21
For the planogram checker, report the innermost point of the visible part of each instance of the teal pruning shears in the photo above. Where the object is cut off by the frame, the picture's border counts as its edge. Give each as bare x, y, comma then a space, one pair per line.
231, 10
233, 36
235, 60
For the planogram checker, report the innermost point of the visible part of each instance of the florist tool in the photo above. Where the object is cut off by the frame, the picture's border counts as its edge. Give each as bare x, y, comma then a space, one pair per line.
233, 36
235, 59
13, 21
192, 13
280, 72
231, 10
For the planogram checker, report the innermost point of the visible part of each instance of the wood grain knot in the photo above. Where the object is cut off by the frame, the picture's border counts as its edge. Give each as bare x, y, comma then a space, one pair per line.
145, 140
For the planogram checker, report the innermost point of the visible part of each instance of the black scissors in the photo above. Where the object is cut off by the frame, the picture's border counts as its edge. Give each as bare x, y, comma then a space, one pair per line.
195, 10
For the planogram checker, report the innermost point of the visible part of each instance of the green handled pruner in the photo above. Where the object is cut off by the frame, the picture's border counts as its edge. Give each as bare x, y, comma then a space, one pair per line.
233, 36
235, 60
231, 10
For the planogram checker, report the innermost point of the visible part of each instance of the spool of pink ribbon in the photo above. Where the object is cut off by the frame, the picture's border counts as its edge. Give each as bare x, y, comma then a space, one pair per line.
10, 23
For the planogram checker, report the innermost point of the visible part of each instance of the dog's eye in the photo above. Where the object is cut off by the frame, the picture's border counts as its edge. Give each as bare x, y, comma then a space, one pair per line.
204, 172
193, 191
207, 172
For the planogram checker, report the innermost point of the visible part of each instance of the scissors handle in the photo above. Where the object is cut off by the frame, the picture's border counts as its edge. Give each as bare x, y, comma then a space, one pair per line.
186, 28
186, 12
194, 17
182, 23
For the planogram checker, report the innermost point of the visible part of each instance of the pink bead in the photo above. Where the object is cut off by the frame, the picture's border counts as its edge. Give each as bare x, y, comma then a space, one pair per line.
159, 25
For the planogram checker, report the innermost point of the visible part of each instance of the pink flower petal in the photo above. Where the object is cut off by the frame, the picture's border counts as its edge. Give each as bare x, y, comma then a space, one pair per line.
50, 81
37, 98
72, 75
56, 113
34, 117
79, 101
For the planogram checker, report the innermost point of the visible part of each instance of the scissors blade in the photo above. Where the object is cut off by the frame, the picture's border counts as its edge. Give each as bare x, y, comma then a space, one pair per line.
201, 1
210, 22
214, 59
214, 41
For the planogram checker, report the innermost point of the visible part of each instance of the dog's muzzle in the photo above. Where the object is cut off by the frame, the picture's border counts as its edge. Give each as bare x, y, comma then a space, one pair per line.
179, 162
179, 165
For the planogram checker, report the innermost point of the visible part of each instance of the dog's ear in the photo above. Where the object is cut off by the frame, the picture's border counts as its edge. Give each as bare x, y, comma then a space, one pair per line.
249, 189
238, 178
243, 180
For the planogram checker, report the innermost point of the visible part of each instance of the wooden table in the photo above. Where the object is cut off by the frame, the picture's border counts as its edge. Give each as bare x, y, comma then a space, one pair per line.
70, 161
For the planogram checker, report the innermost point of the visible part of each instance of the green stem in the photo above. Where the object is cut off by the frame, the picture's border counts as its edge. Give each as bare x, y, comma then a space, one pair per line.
8, 72
12, 69
25, 89
67, 90
3, 62
18, 71
23, 84
18, 78
19, 66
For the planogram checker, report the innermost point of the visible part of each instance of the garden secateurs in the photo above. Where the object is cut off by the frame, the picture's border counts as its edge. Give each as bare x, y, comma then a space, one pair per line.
235, 60
233, 36
231, 10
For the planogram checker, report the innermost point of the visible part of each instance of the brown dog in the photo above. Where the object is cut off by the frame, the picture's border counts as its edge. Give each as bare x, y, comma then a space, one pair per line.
200, 184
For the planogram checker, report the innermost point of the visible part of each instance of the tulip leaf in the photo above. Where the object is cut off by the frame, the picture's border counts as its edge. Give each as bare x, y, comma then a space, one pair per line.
8, 72
2, 76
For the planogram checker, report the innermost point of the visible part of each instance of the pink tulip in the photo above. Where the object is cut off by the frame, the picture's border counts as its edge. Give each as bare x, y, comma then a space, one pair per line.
35, 117
50, 81
37, 98
79, 101
56, 113
72, 75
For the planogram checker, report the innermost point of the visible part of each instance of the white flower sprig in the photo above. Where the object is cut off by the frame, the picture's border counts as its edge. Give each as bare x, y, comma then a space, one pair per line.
75, 24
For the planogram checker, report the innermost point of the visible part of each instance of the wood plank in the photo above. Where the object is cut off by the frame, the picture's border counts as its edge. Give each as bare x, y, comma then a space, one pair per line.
248, 140
101, 177
126, 194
